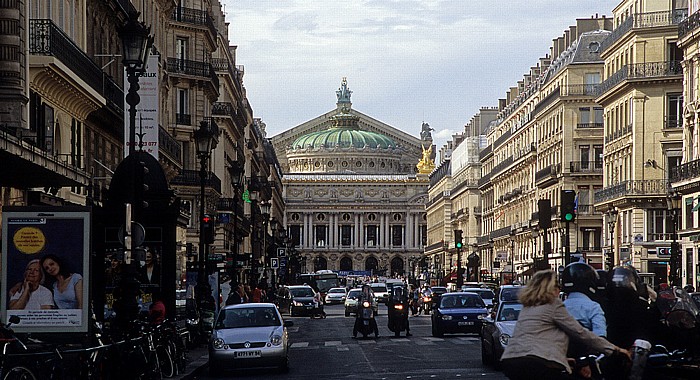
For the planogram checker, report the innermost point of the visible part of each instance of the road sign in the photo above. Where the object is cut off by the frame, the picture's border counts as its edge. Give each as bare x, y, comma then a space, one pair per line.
283, 262
281, 252
274, 262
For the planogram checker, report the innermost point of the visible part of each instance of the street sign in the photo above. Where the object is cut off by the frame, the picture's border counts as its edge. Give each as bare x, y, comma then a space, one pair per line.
281, 252
283, 262
274, 262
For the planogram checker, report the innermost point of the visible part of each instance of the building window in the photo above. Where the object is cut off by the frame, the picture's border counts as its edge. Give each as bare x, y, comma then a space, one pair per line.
397, 236
584, 116
585, 156
295, 235
372, 217
183, 108
320, 217
295, 217
397, 217
181, 49
598, 153
424, 234
345, 236
659, 225
320, 236
371, 236
346, 217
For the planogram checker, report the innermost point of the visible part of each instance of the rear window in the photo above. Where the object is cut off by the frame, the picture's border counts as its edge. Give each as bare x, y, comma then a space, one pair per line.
354, 294
337, 290
509, 294
461, 301
379, 288
302, 292
486, 294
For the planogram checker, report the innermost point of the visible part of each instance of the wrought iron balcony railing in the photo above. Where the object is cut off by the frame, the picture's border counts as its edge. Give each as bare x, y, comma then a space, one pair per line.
195, 17
579, 90
688, 171
589, 125
689, 24
46, 38
502, 138
183, 119
641, 71
645, 20
653, 187
193, 68
586, 166
549, 172
485, 152
169, 145
505, 231
191, 178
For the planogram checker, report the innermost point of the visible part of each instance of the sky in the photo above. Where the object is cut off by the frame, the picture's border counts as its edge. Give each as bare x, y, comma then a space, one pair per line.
406, 61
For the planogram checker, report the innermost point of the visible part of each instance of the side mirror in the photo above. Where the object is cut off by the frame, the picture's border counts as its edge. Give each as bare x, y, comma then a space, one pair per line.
288, 323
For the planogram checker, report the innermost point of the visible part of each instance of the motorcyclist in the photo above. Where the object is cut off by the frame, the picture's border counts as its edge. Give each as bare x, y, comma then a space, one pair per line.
365, 296
399, 296
416, 296
579, 283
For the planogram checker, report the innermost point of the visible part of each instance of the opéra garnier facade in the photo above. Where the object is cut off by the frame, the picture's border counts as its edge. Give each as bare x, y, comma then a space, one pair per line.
355, 200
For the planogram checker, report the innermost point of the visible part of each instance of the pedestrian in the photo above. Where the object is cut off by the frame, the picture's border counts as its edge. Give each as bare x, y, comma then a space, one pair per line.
236, 295
257, 294
541, 337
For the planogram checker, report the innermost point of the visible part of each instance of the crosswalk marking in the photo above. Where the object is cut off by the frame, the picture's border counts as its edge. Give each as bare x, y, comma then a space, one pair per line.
299, 344
333, 343
419, 341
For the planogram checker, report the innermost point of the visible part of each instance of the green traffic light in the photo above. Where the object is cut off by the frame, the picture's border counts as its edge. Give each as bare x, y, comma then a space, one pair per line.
569, 217
459, 245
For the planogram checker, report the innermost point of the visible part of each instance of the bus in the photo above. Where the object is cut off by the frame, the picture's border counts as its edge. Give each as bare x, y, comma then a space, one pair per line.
322, 280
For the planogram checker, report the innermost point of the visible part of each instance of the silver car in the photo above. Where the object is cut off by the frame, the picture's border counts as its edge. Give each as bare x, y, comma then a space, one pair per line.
336, 295
249, 335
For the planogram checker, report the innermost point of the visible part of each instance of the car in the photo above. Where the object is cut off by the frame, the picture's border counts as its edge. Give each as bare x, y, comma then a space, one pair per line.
437, 291
497, 328
249, 335
458, 312
336, 295
508, 293
485, 293
297, 299
381, 293
351, 302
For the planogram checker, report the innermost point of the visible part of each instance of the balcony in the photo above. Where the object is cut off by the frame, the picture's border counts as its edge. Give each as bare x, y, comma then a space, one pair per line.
548, 175
586, 210
589, 125
653, 187
505, 231
484, 180
191, 178
685, 172
645, 20
47, 39
193, 68
586, 167
485, 152
688, 25
619, 133
645, 70
502, 138
183, 119
227, 204
579, 90
195, 17
501, 166
672, 122
169, 145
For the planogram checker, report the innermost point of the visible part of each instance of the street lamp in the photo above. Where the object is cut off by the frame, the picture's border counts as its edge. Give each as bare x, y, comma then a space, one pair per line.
205, 139
265, 211
673, 203
136, 43
612, 219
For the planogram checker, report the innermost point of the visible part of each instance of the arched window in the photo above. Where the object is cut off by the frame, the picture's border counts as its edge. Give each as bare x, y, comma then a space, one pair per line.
371, 264
320, 263
346, 263
397, 266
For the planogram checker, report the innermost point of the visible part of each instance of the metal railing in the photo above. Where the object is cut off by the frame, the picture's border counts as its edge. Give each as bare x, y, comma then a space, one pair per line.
501, 232
689, 170
548, 172
194, 68
169, 145
183, 119
191, 178
641, 71
46, 38
659, 236
485, 152
636, 187
689, 24
644, 20
579, 90
589, 125
586, 166
195, 17
502, 138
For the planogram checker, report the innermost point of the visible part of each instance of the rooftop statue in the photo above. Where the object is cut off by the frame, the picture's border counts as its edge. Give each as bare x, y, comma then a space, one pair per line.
343, 92
426, 164
425, 132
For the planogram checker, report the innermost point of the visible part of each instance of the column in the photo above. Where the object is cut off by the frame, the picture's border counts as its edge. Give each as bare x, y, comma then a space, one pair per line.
383, 230
312, 233
361, 232
408, 234
355, 229
331, 231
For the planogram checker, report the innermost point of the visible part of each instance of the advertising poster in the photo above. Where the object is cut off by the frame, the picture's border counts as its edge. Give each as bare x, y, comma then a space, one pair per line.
45, 270
146, 110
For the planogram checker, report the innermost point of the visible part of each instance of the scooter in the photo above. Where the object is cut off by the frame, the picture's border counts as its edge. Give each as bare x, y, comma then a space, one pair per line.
427, 305
365, 323
398, 315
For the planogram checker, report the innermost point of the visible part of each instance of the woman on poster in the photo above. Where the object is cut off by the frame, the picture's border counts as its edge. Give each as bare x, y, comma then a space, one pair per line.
30, 294
67, 286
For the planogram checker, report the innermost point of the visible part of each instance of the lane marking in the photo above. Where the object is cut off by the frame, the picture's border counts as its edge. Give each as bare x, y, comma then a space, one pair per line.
299, 344
333, 343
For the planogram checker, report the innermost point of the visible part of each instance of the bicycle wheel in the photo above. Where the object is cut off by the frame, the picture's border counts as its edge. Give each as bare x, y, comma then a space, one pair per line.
165, 361
19, 373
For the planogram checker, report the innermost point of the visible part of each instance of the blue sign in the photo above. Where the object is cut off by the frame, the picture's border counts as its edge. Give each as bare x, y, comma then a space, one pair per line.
283, 262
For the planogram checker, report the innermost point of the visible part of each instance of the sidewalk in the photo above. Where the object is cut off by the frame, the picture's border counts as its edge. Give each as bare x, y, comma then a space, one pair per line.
197, 361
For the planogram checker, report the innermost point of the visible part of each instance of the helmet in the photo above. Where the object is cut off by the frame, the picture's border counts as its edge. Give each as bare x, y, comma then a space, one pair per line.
627, 278
602, 282
579, 277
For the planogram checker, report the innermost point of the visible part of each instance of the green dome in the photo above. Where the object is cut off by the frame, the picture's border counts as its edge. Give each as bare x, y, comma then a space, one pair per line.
344, 138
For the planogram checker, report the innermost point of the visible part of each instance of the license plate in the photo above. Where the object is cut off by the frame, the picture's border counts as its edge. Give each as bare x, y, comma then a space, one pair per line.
248, 354
309, 307
469, 323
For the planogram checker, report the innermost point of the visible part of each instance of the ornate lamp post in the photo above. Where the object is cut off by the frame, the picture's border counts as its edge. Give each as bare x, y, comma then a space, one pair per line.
612, 219
205, 139
265, 211
237, 175
136, 45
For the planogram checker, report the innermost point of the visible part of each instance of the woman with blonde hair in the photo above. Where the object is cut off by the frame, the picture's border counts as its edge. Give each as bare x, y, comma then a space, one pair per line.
539, 343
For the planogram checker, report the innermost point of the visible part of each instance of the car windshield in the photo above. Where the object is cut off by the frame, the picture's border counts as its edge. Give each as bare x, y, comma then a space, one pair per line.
247, 317
509, 294
379, 288
461, 301
354, 294
509, 312
438, 290
337, 290
485, 294
302, 292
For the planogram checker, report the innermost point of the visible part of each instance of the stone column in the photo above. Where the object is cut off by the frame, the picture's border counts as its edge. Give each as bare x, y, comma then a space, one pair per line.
408, 235
361, 232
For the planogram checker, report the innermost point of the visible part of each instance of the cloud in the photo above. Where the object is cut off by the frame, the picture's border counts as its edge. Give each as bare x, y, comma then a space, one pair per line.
444, 134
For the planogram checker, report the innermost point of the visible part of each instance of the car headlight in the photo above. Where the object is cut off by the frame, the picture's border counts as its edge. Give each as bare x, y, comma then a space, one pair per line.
297, 303
218, 343
446, 317
365, 304
276, 340
504, 338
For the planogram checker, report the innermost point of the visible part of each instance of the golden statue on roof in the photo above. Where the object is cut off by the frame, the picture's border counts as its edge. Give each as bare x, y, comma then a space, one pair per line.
426, 164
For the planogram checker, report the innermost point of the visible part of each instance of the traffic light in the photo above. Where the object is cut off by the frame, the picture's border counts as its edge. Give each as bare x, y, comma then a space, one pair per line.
208, 229
568, 205
458, 238
544, 213
609, 261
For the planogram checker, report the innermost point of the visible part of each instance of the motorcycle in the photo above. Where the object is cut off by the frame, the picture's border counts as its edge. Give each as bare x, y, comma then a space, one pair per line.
365, 323
427, 305
398, 316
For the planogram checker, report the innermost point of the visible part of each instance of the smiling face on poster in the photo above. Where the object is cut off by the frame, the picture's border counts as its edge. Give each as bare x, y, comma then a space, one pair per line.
45, 273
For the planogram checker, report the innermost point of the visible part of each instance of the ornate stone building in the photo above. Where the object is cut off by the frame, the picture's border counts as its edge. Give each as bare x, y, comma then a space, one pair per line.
355, 201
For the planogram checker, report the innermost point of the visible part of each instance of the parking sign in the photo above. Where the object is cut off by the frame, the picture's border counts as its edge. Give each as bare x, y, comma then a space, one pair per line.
274, 263
281, 252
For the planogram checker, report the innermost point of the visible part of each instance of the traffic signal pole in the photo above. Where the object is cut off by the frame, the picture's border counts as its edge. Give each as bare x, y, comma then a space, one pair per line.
567, 250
